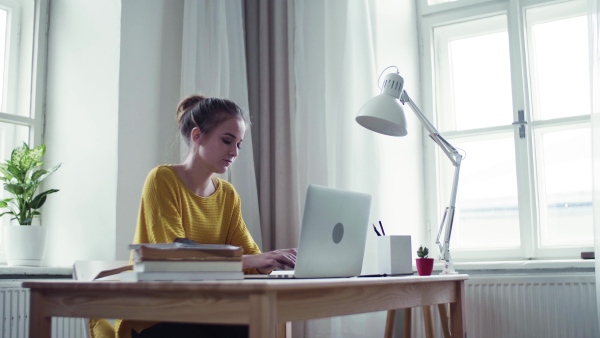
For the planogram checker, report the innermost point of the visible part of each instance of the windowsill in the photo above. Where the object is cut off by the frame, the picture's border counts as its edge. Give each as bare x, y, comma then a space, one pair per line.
30, 272
527, 266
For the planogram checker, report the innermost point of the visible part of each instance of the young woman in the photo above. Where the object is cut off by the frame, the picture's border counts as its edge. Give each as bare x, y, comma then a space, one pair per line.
187, 200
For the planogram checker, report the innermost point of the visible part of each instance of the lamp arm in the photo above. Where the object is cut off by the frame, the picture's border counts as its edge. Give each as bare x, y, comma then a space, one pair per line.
453, 154
404, 98
456, 158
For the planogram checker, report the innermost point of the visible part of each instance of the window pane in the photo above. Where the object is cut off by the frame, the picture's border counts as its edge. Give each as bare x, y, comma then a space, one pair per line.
560, 68
11, 136
3, 51
17, 56
564, 169
474, 75
487, 214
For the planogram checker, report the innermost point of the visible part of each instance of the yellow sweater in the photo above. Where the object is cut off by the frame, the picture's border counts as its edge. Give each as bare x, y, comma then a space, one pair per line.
169, 209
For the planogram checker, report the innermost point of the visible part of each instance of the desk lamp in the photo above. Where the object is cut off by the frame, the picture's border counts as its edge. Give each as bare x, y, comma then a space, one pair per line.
384, 114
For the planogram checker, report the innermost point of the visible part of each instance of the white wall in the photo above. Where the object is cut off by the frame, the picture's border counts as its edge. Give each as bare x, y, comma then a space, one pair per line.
149, 90
402, 157
81, 129
113, 84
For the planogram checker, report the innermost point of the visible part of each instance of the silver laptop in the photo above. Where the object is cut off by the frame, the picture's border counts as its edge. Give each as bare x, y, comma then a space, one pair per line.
333, 234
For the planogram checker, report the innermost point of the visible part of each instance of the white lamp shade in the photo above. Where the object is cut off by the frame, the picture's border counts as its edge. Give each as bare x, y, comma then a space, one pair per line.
383, 114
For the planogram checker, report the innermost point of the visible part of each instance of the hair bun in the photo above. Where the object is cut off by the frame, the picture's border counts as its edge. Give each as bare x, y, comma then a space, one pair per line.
187, 103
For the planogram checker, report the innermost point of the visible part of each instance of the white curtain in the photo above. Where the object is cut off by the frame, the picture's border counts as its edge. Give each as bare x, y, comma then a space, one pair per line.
214, 64
340, 49
336, 62
595, 66
335, 74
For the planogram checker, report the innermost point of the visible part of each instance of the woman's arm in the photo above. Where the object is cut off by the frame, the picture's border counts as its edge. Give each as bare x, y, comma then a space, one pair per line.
159, 220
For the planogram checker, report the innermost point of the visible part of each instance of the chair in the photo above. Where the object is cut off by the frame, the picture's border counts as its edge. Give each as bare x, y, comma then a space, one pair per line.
427, 321
93, 270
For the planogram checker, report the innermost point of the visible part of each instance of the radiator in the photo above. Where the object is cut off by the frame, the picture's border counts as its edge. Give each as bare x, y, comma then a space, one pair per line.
533, 306
14, 316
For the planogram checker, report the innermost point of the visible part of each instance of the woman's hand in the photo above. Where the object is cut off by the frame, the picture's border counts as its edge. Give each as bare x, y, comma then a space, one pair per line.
267, 261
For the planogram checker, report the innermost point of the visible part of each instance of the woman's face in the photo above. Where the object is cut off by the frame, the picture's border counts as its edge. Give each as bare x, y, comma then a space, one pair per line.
219, 149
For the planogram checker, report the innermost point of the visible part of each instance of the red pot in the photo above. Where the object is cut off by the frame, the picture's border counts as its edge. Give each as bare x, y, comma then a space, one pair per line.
424, 266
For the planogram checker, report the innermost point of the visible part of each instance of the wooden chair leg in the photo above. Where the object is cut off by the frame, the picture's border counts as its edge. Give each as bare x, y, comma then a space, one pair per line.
281, 330
444, 319
407, 323
428, 321
389, 324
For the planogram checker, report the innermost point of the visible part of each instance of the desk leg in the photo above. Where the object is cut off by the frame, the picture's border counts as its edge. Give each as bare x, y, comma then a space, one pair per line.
40, 326
457, 313
389, 323
407, 323
427, 321
444, 320
263, 315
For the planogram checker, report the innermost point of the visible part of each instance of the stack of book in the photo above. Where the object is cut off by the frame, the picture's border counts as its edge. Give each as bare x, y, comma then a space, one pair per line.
184, 262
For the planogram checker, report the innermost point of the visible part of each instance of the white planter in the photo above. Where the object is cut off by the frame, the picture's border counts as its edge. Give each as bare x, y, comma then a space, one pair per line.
25, 245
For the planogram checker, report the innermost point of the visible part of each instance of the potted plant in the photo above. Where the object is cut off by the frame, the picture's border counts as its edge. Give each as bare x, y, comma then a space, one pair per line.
22, 175
424, 264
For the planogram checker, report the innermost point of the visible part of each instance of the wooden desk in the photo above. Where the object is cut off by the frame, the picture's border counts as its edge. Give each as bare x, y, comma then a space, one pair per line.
259, 303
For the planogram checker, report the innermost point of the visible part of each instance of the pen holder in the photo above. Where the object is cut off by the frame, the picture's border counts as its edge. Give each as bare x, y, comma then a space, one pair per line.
395, 255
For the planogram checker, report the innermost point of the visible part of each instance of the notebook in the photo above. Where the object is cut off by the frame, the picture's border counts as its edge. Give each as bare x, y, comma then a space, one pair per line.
333, 234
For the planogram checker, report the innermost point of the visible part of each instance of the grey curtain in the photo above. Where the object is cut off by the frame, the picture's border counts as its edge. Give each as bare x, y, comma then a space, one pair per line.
269, 49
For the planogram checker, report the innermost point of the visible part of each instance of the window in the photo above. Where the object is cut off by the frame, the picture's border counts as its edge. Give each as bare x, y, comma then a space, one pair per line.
509, 85
22, 57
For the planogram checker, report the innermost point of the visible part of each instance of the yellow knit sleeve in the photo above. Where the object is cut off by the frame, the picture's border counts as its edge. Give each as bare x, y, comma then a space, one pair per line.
159, 218
240, 236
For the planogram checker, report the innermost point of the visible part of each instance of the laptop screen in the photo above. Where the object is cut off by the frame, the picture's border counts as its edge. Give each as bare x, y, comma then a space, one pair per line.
333, 233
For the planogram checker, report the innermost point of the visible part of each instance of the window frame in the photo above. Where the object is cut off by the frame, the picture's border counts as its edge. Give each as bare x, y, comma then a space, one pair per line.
438, 15
30, 75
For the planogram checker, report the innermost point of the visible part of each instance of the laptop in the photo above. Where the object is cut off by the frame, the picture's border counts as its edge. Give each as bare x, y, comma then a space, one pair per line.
332, 236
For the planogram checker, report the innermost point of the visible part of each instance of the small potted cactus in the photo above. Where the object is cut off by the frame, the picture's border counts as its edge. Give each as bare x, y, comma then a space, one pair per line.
424, 264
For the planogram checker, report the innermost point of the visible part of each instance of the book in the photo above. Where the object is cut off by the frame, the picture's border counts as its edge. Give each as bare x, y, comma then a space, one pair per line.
132, 276
106, 274
185, 252
186, 266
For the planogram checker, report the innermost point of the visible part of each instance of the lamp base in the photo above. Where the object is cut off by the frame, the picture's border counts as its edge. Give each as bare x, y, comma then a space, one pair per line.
448, 269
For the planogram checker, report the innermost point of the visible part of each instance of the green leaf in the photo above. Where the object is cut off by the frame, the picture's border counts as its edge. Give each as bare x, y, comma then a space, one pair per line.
32, 158
53, 169
7, 175
40, 199
16, 172
18, 153
15, 189
22, 176
36, 175
37, 202
42, 176
7, 213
